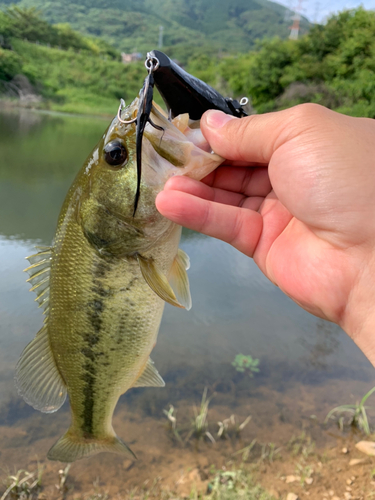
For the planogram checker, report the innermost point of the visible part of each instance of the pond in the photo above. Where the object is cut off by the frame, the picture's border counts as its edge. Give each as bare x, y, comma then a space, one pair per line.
306, 365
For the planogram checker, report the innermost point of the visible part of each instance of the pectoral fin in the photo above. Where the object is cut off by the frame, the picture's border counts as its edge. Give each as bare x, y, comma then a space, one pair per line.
157, 281
179, 280
149, 377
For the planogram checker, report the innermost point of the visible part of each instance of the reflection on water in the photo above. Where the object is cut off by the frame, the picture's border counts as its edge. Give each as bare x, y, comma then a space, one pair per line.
306, 364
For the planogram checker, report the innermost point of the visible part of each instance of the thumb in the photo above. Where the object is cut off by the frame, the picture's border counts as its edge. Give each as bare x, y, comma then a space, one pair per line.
255, 138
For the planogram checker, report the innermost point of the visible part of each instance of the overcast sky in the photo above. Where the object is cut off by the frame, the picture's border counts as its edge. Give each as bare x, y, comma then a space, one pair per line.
318, 10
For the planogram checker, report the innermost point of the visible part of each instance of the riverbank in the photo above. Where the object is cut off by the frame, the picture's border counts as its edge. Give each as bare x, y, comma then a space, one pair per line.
294, 471
106, 108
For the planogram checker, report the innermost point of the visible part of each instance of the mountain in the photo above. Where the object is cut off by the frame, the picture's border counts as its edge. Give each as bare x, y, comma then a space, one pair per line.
226, 26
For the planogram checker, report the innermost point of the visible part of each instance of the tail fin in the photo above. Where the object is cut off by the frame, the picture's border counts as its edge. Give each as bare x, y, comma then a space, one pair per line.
71, 447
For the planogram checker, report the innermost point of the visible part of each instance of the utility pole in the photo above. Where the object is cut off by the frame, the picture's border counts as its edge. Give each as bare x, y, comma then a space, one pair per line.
294, 29
160, 44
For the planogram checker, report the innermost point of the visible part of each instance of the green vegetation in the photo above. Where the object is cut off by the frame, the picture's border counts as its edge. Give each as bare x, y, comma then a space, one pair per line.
199, 424
246, 364
199, 427
171, 415
60, 69
223, 484
357, 414
23, 485
234, 484
301, 445
229, 427
332, 65
69, 72
269, 452
189, 25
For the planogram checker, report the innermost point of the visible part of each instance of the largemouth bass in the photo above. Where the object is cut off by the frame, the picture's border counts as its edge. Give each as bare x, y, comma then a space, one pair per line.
104, 281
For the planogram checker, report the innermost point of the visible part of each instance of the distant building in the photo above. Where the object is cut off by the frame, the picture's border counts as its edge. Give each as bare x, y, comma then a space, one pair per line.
128, 58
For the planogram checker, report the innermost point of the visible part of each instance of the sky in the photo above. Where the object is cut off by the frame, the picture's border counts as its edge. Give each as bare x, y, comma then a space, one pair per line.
319, 10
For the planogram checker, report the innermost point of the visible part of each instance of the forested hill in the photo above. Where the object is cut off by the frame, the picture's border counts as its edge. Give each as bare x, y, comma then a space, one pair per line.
133, 25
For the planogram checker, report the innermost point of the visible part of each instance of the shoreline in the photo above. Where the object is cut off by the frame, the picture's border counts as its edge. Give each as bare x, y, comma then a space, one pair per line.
47, 107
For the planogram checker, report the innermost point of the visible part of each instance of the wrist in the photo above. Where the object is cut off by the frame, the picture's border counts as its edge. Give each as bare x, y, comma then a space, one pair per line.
358, 320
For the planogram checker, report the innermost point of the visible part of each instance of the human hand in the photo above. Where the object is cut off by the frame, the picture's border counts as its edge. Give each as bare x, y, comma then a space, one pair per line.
308, 220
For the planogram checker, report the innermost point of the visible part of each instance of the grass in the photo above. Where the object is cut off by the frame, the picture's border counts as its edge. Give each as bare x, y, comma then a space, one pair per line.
234, 484
171, 415
269, 452
301, 445
304, 472
200, 422
357, 414
245, 452
23, 485
199, 425
230, 426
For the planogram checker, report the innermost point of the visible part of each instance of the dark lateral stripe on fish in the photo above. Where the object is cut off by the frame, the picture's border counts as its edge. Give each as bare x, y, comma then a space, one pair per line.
88, 392
95, 310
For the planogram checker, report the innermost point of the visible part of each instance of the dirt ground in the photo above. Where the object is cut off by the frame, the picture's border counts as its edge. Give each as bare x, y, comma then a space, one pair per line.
285, 448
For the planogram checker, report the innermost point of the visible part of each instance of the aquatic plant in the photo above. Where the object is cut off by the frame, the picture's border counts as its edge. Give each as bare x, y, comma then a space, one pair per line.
301, 445
200, 423
23, 485
63, 476
357, 414
229, 425
171, 415
245, 452
246, 364
269, 452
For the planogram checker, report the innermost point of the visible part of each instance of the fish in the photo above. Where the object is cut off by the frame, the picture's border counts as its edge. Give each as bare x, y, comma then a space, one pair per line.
104, 281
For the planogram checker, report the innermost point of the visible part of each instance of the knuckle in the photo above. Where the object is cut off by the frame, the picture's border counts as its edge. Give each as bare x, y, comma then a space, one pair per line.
308, 111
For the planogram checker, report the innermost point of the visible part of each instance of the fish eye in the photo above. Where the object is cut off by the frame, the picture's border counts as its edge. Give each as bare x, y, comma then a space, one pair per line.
115, 153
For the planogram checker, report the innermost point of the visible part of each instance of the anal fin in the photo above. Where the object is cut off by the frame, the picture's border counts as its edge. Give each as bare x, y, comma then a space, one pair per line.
149, 377
38, 379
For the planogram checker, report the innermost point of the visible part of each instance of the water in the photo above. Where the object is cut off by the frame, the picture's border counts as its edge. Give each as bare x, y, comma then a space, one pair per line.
306, 365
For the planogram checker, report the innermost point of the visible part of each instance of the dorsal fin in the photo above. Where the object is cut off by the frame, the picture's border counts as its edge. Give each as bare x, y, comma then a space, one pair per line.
39, 272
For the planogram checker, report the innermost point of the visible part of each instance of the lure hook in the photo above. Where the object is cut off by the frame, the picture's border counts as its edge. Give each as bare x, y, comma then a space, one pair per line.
120, 109
143, 117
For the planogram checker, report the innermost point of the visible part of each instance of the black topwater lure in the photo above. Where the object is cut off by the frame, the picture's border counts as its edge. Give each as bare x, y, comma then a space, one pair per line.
182, 93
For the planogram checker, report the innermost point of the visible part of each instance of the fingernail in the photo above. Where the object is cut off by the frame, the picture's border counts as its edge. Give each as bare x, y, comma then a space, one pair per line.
217, 119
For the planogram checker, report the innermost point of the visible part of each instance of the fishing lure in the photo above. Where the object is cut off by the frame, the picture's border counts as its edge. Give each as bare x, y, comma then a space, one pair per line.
182, 93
